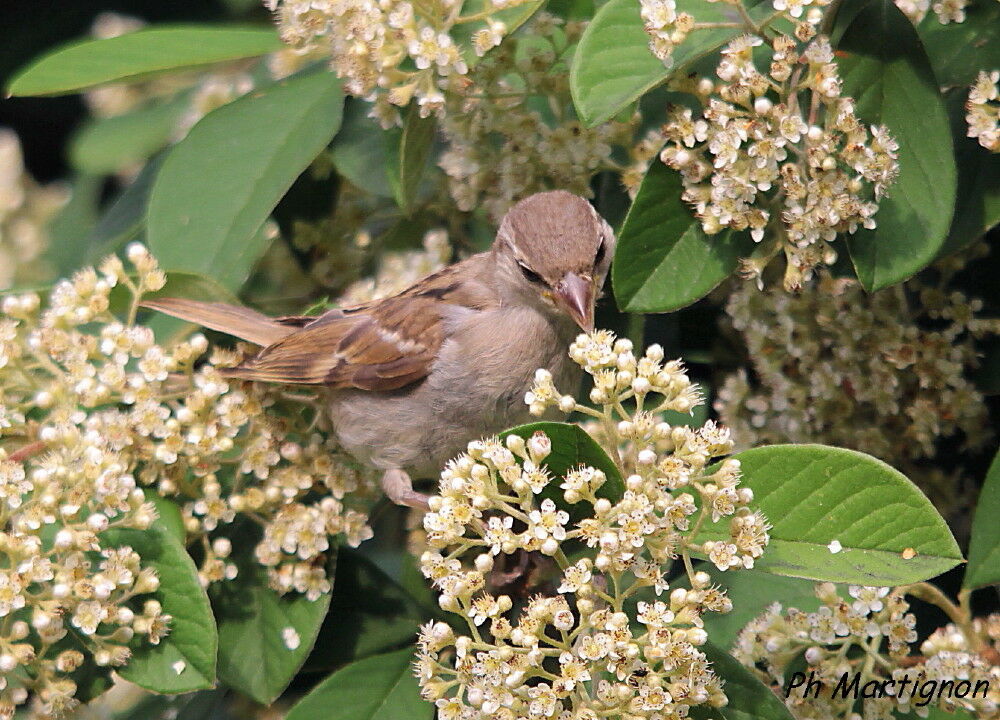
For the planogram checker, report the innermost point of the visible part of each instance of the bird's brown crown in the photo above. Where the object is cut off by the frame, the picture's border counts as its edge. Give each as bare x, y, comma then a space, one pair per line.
553, 233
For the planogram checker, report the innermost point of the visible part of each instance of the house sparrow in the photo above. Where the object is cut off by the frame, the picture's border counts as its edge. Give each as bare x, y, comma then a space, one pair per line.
414, 377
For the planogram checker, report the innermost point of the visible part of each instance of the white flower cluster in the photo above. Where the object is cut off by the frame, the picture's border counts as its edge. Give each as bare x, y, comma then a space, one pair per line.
983, 110
502, 146
666, 27
886, 374
218, 447
780, 153
868, 636
25, 209
582, 647
392, 51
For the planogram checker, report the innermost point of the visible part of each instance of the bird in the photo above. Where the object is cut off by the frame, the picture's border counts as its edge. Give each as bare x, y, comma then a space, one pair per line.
414, 377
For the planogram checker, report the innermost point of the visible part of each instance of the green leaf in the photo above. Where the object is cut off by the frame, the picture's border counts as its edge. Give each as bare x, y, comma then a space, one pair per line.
512, 18
185, 659
218, 185
255, 656
958, 51
169, 515
378, 688
984, 546
361, 148
752, 592
126, 217
977, 203
370, 614
749, 698
572, 447
894, 85
406, 167
106, 145
71, 227
663, 260
138, 56
815, 494
613, 64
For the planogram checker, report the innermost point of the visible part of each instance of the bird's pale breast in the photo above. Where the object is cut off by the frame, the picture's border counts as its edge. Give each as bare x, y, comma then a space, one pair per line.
476, 388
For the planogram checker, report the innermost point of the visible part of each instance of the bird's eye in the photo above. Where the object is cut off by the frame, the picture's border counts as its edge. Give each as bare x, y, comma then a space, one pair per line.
601, 249
529, 274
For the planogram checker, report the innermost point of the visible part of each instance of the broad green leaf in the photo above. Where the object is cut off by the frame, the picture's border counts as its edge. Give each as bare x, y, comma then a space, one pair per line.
407, 165
370, 614
663, 260
894, 85
958, 51
749, 698
138, 56
125, 219
512, 17
613, 64
361, 149
185, 659
169, 514
264, 637
572, 447
70, 229
378, 688
984, 546
977, 201
107, 145
752, 592
813, 495
218, 185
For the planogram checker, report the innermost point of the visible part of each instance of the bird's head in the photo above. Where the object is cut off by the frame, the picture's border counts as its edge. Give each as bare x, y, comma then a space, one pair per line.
554, 249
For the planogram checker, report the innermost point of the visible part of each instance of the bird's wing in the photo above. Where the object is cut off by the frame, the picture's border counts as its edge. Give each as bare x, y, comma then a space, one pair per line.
379, 346
242, 322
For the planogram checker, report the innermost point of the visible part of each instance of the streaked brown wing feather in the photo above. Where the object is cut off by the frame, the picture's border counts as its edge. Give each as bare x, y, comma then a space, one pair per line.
379, 346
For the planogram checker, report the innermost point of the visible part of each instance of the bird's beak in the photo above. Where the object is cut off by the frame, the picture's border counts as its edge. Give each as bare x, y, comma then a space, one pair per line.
575, 294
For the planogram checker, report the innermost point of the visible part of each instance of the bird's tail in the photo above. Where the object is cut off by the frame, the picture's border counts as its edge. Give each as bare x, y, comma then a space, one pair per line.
241, 322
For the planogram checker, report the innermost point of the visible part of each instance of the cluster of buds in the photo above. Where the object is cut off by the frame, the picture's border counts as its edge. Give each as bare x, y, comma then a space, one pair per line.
666, 27
983, 110
597, 640
896, 383
858, 648
396, 51
25, 209
501, 148
74, 374
780, 153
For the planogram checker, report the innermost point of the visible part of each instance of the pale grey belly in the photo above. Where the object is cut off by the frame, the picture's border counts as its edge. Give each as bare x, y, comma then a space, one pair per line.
419, 428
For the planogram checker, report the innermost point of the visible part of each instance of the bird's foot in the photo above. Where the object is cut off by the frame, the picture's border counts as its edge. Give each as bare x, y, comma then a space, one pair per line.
398, 487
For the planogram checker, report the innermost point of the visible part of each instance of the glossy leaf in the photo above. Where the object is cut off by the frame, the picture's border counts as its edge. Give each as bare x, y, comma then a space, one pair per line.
663, 260
360, 150
813, 495
752, 592
984, 546
613, 64
370, 613
571, 447
512, 17
125, 219
407, 165
264, 637
749, 698
138, 56
958, 51
70, 229
107, 145
894, 85
218, 185
378, 688
185, 659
